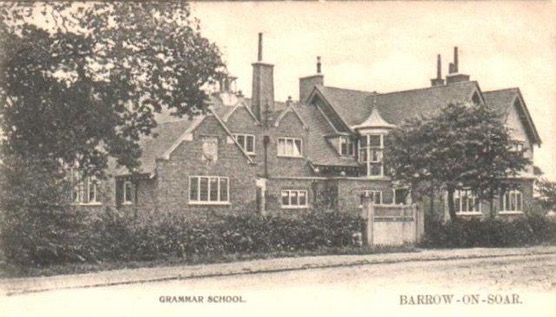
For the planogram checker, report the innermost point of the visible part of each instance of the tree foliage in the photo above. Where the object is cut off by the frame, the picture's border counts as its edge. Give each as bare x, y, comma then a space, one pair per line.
464, 146
80, 82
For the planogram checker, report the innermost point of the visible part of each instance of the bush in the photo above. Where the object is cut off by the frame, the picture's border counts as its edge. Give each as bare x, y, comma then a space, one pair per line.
524, 231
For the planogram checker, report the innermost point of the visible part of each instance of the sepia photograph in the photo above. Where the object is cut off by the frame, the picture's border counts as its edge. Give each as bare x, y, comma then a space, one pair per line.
277, 158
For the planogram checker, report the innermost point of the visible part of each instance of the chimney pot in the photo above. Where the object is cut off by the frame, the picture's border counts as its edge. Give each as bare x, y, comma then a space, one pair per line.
318, 65
438, 67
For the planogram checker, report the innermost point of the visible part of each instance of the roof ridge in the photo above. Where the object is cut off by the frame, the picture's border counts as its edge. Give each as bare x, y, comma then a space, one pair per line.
426, 88
503, 89
357, 90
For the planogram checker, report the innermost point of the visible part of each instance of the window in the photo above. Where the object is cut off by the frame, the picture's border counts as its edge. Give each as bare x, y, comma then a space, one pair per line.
294, 199
208, 189
466, 201
127, 192
512, 201
371, 154
347, 146
400, 196
247, 142
517, 147
375, 195
210, 149
290, 147
83, 190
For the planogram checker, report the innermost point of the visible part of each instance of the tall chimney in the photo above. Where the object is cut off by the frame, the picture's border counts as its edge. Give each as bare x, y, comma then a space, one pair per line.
454, 76
263, 84
308, 83
260, 51
438, 81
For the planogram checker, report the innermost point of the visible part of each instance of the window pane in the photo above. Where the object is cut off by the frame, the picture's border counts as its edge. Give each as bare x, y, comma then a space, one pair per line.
376, 169
377, 198
92, 191
281, 146
289, 147
375, 140
213, 189
223, 189
194, 188
297, 148
285, 198
293, 198
363, 155
302, 198
250, 144
241, 140
127, 192
203, 189
519, 200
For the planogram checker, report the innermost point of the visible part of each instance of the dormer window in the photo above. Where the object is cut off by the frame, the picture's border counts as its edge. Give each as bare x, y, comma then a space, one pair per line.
347, 146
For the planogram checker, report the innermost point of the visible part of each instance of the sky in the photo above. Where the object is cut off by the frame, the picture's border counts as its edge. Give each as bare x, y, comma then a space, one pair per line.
392, 46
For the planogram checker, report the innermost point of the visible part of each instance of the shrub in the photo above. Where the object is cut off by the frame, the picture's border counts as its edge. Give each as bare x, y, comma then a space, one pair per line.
524, 231
72, 236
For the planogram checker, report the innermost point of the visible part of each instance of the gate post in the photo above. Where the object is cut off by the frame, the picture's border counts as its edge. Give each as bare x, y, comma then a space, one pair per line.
368, 214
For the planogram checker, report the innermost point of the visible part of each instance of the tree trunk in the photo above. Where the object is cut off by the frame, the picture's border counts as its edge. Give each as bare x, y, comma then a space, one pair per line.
451, 206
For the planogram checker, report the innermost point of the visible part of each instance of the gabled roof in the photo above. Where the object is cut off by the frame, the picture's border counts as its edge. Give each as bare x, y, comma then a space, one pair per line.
164, 136
287, 110
354, 106
319, 150
504, 99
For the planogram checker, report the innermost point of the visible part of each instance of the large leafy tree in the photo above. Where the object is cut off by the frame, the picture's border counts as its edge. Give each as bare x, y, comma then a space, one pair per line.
81, 82
464, 146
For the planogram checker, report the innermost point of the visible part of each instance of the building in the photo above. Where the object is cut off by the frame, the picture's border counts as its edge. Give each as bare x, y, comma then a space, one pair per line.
323, 151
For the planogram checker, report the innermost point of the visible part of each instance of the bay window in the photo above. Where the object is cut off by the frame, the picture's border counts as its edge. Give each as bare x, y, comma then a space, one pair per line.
371, 151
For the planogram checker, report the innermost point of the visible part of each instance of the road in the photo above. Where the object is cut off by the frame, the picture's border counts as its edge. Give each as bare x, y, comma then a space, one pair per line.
505, 286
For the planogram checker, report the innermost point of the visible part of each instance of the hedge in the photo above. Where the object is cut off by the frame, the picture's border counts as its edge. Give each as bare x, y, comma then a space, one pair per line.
523, 231
70, 237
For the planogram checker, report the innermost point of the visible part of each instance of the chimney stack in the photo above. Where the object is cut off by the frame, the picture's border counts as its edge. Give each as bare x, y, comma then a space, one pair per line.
456, 59
263, 84
454, 76
438, 81
307, 84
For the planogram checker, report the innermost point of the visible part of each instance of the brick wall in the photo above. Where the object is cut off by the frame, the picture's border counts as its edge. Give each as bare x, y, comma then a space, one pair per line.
173, 175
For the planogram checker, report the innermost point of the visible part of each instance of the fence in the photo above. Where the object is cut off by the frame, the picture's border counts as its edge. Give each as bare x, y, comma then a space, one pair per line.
392, 225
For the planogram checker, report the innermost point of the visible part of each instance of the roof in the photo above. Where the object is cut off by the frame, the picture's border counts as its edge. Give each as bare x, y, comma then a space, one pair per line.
355, 106
164, 136
503, 100
320, 151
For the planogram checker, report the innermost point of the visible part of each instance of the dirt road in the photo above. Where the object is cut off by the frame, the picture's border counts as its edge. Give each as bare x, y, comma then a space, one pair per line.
503, 286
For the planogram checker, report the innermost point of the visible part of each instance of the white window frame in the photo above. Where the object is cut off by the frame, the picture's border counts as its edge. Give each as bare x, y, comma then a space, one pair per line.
512, 194
198, 200
372, 193
127, 197
289, 192
92, 184
244, 145
283, 152
465, 196
348, 141
365, 145
80, 194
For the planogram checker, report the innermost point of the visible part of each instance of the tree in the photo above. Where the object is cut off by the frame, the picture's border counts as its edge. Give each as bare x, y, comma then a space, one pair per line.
546, 191
85, 84
465, 146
